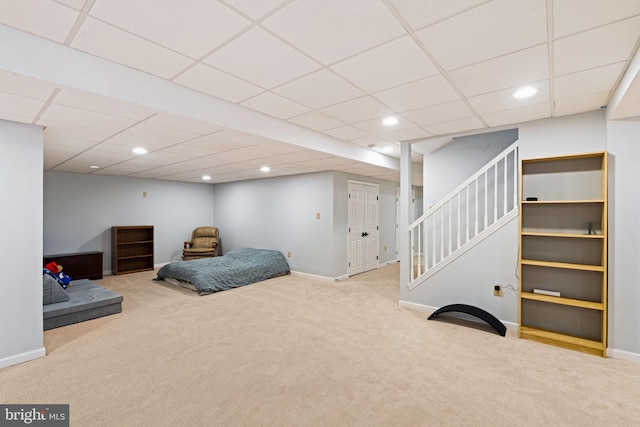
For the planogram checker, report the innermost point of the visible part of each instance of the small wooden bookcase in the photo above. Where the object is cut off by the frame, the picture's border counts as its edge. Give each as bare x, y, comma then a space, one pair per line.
131, 248
563, 252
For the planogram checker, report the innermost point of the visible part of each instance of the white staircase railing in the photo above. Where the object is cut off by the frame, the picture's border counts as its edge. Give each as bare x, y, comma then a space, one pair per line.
486, 200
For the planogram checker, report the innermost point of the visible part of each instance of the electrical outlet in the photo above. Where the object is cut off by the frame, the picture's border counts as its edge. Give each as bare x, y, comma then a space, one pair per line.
288, 254
497, 290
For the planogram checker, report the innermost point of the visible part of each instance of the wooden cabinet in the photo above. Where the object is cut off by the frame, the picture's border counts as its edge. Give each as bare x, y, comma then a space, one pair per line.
81, 265
131, 248
563, 252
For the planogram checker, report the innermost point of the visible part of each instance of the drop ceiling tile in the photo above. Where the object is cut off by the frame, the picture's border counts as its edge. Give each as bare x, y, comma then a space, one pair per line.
455, 126
240, 137
423, 93
217, 83
589, 81
503, 100
73, 130
192, 28
73, 165
25, 86
580, 104
316, 121
97, 38
101, 104
122, 169
277, 147
407, 134
299, 156
76, 4
20, 105
332, 30
372, 141
255, 9
377, 127
440, 113
275, 105
104, 154
346, 133
319, 89
55, 155
206, 145
43, 18
90, 119
183, 123
151, 137
488, 31
419, 14
262, 59
77, 144
358, 110
395, 63
511, 70
574, 16
520, 115
601, 46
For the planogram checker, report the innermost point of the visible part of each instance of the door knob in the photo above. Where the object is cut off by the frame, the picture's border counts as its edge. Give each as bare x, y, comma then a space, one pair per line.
365, 234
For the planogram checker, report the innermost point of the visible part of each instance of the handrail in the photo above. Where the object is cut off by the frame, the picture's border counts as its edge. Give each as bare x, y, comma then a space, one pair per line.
481, 201
473, 177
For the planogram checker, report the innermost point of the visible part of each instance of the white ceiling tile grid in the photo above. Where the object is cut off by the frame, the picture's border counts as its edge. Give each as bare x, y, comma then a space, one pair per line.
334, 68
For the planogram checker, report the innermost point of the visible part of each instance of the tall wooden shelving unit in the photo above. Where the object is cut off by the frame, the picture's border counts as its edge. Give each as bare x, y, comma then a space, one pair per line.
131, 248
563, 249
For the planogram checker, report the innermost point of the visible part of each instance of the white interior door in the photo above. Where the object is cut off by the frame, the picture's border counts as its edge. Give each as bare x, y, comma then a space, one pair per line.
363, 227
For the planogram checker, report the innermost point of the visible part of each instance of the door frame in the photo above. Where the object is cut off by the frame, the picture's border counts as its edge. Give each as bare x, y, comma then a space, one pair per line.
351, 182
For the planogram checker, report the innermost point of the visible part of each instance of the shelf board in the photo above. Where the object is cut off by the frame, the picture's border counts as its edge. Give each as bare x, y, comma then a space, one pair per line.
134, 256
562, 340
569, 235
585, 267
563, 301
137, 242
560, 202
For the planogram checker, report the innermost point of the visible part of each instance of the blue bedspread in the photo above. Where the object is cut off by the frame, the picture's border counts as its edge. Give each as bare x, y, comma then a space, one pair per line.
237, 268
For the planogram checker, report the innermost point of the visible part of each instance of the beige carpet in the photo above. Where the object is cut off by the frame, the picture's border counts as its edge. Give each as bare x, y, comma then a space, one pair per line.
295, 351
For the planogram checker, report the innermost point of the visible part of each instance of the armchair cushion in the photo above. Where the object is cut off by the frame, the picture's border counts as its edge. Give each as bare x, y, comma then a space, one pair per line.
203, 243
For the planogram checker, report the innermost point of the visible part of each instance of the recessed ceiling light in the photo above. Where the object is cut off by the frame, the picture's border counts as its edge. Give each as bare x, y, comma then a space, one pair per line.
140, 150
265, 169
390, 121
94, 167
382, 148
206, 177
525, 92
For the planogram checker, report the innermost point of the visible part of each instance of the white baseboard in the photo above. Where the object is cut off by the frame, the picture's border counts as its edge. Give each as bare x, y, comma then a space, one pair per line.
314, 276
22, 357
415, 306
623, 355
428, 309
385, 264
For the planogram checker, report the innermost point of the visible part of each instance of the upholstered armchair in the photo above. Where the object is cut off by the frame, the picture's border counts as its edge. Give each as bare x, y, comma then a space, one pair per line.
203, 243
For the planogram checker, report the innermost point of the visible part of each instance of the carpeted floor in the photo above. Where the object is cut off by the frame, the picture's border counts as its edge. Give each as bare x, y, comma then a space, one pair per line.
296, 351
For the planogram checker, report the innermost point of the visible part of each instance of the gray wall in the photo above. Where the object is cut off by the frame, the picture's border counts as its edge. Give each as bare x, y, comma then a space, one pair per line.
452, 164
80, 209
21, 243
623, 144
280, 213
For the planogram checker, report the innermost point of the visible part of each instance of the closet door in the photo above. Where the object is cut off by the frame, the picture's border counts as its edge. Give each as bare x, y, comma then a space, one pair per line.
362, 227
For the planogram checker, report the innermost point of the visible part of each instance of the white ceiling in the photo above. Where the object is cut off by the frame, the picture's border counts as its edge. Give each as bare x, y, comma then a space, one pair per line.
332, 67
